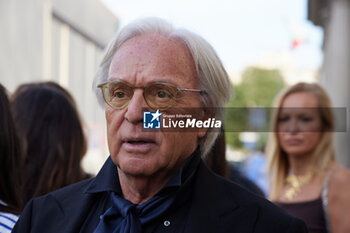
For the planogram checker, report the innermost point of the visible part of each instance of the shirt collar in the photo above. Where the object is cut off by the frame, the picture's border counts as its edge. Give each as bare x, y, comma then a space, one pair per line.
185, 171
107, 180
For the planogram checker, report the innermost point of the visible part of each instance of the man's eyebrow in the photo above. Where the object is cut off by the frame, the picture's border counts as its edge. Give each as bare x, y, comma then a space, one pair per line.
161, 81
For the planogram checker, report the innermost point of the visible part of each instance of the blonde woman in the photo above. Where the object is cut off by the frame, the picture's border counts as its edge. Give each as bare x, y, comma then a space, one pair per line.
304, 177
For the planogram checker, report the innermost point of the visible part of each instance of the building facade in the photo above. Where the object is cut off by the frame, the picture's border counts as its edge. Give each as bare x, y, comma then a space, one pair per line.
334, 17
61, 41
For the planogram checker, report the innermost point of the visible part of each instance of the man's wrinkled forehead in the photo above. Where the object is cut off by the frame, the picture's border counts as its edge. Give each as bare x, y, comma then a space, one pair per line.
155, 40
167, 55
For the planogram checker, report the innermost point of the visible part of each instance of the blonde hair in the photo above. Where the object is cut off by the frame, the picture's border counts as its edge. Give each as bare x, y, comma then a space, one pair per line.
323, 154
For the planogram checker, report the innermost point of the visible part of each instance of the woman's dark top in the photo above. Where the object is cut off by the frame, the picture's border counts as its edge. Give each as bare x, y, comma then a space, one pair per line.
310, 211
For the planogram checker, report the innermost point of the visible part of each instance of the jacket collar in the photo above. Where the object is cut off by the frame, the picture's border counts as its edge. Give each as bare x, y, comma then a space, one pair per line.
106, 180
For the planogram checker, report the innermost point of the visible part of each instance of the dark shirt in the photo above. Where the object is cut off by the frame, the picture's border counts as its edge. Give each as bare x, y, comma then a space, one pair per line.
309, 211
172, 220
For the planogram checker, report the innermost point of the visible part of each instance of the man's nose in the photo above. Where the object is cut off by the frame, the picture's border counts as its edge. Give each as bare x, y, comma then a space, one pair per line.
134, 110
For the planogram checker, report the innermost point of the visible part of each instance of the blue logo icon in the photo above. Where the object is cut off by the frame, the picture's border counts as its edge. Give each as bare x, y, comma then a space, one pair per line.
151, 120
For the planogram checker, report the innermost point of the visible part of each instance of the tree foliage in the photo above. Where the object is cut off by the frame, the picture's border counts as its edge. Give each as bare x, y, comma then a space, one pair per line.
257, 89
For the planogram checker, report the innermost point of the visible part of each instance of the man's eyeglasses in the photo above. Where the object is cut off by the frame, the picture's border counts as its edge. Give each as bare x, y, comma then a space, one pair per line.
118, 94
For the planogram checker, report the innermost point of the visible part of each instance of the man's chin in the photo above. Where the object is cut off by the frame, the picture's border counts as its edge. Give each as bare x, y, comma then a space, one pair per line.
136, 167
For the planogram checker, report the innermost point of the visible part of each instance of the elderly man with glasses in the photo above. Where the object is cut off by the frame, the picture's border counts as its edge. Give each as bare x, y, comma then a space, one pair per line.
155, 180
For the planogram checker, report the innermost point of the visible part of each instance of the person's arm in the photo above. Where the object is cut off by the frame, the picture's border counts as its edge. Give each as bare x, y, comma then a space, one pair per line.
339, 200
23, 224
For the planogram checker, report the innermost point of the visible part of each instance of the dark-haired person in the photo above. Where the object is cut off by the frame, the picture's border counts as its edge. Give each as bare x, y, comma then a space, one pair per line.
52, 137
10, 167
156, 181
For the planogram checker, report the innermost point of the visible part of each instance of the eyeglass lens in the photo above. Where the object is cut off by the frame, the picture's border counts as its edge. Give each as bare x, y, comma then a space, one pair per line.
159, 96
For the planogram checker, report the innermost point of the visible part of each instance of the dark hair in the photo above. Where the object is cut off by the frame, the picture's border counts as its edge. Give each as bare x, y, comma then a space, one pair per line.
216, 158
216, 161
52, 137
10, 166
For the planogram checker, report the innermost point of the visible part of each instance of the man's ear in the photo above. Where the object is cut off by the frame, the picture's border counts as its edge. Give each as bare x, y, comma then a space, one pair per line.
206, 114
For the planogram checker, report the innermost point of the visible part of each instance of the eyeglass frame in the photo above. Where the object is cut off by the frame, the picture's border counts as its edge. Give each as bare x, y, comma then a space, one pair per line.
175, 89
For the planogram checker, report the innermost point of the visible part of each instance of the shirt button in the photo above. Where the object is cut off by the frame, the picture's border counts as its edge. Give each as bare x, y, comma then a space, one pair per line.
166, 223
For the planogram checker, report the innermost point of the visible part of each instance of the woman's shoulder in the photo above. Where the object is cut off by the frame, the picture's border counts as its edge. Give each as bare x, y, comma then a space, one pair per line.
339, 185
340, 176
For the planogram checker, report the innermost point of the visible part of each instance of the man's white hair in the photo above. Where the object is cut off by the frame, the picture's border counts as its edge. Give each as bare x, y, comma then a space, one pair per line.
212, 75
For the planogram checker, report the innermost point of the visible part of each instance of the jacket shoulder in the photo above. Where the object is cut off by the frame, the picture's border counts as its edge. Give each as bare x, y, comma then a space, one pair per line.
75, 190
49, 212
241, 207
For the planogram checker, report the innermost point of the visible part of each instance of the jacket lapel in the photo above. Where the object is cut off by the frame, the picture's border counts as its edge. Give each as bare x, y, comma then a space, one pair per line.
71, 211
215, 207
75, 211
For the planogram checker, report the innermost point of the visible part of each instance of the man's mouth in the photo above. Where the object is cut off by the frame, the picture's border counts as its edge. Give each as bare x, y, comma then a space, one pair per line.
139, 145
138, 141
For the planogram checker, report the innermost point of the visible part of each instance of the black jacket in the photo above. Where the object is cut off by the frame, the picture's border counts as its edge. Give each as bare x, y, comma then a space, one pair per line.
218, 206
